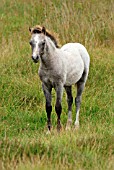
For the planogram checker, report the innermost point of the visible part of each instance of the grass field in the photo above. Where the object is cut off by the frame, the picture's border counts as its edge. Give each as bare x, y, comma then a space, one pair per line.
24, 144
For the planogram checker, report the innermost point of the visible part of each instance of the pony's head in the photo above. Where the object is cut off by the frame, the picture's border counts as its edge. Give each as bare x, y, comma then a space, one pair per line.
38, 41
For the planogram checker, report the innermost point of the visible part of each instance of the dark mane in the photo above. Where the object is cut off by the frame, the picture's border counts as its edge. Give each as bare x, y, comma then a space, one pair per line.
38, 29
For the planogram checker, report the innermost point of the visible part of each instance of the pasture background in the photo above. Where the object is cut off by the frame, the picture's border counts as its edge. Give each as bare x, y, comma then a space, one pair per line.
23, 140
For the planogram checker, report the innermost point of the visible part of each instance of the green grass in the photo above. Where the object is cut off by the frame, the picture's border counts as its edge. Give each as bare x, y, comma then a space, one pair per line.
23, 140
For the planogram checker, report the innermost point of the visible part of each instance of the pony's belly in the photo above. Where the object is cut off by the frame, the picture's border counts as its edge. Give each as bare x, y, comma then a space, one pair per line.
73, 78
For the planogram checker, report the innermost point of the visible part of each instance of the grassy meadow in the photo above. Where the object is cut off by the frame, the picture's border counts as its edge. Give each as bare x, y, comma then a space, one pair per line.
24, 144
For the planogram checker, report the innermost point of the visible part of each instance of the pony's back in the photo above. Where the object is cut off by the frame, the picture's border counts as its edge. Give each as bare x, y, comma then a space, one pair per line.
82, 50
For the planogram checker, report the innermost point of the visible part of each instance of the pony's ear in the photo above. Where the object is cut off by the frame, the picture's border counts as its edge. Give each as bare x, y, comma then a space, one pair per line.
44, 30
29, 29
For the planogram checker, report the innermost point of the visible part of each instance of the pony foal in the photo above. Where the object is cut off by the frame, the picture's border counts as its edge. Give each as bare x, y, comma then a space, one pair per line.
59, 68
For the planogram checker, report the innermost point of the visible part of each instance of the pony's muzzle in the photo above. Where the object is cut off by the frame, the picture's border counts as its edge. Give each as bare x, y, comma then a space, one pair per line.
35, 59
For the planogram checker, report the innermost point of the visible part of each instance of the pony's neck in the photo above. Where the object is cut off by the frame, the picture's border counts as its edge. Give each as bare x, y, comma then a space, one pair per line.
50, 46
49, 54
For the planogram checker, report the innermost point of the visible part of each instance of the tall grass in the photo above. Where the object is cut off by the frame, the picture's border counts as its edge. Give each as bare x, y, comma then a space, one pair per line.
88, 22
23, 140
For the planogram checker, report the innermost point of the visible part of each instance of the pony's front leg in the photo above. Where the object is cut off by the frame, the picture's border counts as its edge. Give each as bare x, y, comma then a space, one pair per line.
47, 92
58, 107
69, 101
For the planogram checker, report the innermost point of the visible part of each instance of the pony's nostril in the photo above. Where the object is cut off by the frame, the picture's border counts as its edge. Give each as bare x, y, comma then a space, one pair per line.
37, 57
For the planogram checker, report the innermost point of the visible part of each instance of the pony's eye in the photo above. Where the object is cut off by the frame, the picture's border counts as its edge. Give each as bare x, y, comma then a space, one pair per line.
43, 43
30, 42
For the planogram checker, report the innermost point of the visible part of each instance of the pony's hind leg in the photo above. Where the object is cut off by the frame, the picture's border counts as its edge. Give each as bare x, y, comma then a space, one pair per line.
47, 92
68, 90
80, 88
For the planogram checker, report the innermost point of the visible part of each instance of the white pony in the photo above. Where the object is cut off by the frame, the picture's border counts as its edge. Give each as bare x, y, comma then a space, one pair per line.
59, 68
